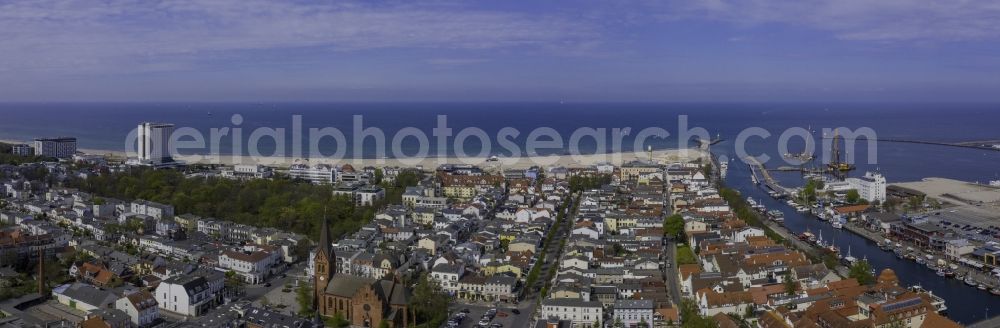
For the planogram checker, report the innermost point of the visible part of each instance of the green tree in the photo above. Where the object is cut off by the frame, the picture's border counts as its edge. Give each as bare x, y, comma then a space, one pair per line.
304, 296
428, 302
789, 284
278, 203
862, 272
337, 321
853, 197
673, 226
808, 193
830, 261
618, 249
691, 318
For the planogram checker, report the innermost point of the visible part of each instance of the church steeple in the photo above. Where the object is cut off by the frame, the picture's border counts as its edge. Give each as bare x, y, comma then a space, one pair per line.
325, 265
324, 239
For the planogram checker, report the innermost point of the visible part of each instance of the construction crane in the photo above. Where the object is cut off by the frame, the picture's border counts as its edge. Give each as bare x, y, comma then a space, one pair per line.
836, 166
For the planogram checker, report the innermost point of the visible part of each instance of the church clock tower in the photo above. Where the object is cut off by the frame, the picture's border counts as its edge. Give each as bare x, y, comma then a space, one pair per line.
326, 266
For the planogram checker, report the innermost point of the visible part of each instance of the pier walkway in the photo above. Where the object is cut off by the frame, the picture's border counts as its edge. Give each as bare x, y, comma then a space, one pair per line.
757, 168
968, 144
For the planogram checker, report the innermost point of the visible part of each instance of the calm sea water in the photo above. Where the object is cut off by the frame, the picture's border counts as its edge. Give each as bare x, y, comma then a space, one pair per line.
105, 126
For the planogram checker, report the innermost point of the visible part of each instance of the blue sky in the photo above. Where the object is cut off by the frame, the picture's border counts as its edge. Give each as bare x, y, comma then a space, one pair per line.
610, 50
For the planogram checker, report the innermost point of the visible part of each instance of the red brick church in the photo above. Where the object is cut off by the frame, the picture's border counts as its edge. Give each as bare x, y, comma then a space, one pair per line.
364, 302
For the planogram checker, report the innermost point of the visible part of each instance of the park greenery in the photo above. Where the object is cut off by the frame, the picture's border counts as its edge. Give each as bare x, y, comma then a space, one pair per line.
26, 280
580, 182
279, 203
685, 255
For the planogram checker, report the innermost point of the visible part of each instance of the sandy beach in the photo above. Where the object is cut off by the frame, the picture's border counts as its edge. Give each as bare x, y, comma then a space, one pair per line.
662, 156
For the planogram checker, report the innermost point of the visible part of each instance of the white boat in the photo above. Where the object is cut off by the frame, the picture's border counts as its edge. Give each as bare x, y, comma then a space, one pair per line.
838, 225
849, 260
776, 215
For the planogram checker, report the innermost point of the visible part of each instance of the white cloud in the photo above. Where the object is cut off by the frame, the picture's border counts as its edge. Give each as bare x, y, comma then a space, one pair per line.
91, 36
872, 20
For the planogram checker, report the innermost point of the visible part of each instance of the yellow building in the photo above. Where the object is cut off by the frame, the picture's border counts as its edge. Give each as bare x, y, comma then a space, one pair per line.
495, 268
616, 223
459, 192
633, 170
509, 235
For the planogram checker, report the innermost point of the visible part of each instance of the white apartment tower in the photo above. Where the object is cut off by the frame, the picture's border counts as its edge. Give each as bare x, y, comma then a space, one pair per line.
871, 187
153, 141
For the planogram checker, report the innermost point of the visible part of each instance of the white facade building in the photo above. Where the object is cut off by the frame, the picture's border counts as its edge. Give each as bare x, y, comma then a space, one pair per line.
247, 172
185, 295
155, 210
605, 167
633, 312
316, 174
957, 248
447, 276
153, 139
141, 308
22, 150
55, 147
252, 264
871, 187
581, 313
